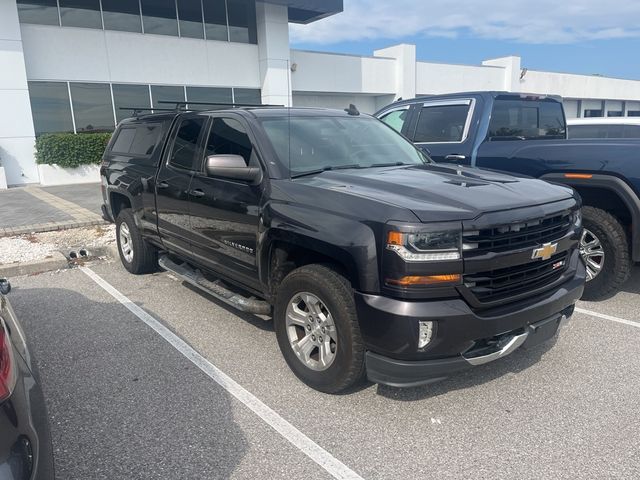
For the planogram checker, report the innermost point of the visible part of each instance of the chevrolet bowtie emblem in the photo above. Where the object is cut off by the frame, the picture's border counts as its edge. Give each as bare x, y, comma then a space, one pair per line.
545, 252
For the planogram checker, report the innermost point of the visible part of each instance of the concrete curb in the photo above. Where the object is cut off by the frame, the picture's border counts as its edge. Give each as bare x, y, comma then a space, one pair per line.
55, 261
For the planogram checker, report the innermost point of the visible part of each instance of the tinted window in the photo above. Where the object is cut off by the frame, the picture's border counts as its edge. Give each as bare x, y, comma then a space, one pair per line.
395, 119
631, 131
251, 96
592, 113
167, 94
44, 12
92, 107
124, 140
80, 13
190, 15
242, 21
519, 119
50, 107
159, 17
228, 137
208, 94
215, 19
145, 140
123, 15
615, 113
441, 123
129, 96
185, 145
633, 113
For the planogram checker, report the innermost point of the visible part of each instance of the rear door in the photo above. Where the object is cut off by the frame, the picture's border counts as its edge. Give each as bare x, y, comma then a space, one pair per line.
173, 182
442, 129
225, 212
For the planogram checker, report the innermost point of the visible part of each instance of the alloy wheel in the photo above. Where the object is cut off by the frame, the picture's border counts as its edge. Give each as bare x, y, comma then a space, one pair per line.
311, 331
592, 252
126, 246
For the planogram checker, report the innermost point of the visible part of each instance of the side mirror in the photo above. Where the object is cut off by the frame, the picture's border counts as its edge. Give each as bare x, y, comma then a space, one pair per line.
5, 286
231, 166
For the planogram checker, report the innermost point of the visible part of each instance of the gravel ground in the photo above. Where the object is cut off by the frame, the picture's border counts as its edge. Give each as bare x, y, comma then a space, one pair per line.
35, 246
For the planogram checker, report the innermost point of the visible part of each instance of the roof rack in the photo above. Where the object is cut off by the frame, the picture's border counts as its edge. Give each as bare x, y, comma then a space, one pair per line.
182, 105
138, 110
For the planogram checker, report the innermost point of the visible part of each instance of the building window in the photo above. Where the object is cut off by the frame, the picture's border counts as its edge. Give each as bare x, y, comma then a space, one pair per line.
215, 20
80, 13
121, 15
43, 12
208, 94
633, 113
92, 108
615, 113
129, 97
592, 113
247, 95
242, 21
190, 15
166, 94
50, 107
159, 17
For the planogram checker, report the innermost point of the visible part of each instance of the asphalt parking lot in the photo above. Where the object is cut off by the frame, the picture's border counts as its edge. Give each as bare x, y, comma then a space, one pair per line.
125, 402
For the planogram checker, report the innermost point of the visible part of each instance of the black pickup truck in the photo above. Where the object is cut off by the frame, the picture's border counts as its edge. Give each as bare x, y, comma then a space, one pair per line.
527, 135
371, 259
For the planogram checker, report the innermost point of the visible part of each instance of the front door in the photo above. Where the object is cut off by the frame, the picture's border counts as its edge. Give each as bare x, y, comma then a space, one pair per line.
173, 184
225, 213
442, 128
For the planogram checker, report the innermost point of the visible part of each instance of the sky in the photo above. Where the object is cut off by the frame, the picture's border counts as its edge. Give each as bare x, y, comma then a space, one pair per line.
572, 36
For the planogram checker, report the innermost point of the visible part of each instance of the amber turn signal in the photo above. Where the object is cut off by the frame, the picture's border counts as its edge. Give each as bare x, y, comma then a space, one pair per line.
584, 176
424, 280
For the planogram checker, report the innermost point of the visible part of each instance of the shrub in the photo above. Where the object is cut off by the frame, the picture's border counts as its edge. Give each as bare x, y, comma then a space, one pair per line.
71, 150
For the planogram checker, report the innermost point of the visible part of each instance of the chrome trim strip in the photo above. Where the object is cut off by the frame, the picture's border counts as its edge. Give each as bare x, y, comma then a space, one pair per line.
515, 342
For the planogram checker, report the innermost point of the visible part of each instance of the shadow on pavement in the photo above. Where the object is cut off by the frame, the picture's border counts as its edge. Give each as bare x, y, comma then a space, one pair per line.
122, 402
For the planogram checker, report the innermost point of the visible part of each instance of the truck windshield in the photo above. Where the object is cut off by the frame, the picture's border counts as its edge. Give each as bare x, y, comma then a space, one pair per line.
313, 144
527, 120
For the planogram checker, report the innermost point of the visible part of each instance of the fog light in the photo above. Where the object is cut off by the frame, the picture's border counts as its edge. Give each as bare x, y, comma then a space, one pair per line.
425, 332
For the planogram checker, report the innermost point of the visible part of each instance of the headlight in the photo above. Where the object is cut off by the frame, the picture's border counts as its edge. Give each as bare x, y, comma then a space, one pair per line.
425, 246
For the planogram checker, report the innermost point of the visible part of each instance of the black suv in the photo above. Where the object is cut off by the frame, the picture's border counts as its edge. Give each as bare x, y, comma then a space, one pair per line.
370, 258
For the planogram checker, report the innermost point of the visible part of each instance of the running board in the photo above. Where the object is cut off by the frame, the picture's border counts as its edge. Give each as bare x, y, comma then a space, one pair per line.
215, 289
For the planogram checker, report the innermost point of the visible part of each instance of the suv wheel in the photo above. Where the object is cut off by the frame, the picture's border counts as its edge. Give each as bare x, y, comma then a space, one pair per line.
136, 255
317, 329
605, 250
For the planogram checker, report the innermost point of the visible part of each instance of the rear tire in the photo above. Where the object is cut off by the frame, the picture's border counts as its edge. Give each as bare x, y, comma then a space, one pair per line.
604, 233
317, 329
136, 255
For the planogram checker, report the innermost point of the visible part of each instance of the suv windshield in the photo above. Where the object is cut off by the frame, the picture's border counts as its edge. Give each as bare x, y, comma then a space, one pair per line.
314, 144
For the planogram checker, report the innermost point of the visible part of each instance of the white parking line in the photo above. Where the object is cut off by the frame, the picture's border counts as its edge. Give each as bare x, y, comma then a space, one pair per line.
609, 317
314, 451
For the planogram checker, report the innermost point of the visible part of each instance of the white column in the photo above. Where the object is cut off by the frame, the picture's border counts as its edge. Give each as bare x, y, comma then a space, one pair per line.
274, 53
405, 57
17, 135
512, 71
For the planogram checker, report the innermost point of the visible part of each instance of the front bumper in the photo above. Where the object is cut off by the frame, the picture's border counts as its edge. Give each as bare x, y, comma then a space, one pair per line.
389, 329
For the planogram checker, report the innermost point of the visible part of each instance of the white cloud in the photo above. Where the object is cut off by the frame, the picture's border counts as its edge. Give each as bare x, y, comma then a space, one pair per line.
526, 21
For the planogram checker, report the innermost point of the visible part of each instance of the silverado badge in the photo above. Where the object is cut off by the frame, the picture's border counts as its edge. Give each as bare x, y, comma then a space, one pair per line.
544, 252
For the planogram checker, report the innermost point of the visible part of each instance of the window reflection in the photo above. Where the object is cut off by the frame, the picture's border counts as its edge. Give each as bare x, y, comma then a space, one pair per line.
129, 96
122, 15
208, 94
247, 95
159, 17
50, 107
43, 12
242, 21
167, 94
190, 15
92, 107
215, 19
80, 13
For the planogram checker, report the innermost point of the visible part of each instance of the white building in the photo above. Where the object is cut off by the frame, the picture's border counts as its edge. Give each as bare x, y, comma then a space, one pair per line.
69, 65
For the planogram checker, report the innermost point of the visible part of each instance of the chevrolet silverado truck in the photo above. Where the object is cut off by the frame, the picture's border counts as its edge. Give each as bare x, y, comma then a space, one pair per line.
526, 134
371, 259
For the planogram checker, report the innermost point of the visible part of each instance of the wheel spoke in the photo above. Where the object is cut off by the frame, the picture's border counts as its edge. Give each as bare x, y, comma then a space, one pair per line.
304, 347
295, 316
325, 353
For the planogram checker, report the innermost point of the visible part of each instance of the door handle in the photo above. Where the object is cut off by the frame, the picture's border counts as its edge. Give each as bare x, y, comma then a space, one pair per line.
162, 185
196, 193
455, 158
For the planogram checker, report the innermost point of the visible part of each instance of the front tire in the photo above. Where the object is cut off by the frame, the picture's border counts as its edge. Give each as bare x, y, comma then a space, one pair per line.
136, 255
605, 250
317, 329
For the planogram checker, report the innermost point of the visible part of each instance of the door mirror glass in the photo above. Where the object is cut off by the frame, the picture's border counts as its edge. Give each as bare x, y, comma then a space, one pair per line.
231, 166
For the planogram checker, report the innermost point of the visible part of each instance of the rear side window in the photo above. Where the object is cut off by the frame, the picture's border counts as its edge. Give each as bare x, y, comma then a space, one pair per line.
138, 140
441, 123
395, 119
185, 144
526, 120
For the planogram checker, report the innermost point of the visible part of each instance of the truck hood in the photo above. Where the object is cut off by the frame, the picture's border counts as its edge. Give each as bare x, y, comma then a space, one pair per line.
440, 192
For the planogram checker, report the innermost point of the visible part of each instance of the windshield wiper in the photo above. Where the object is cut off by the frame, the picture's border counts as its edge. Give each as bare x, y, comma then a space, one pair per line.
390, 164
326, 169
